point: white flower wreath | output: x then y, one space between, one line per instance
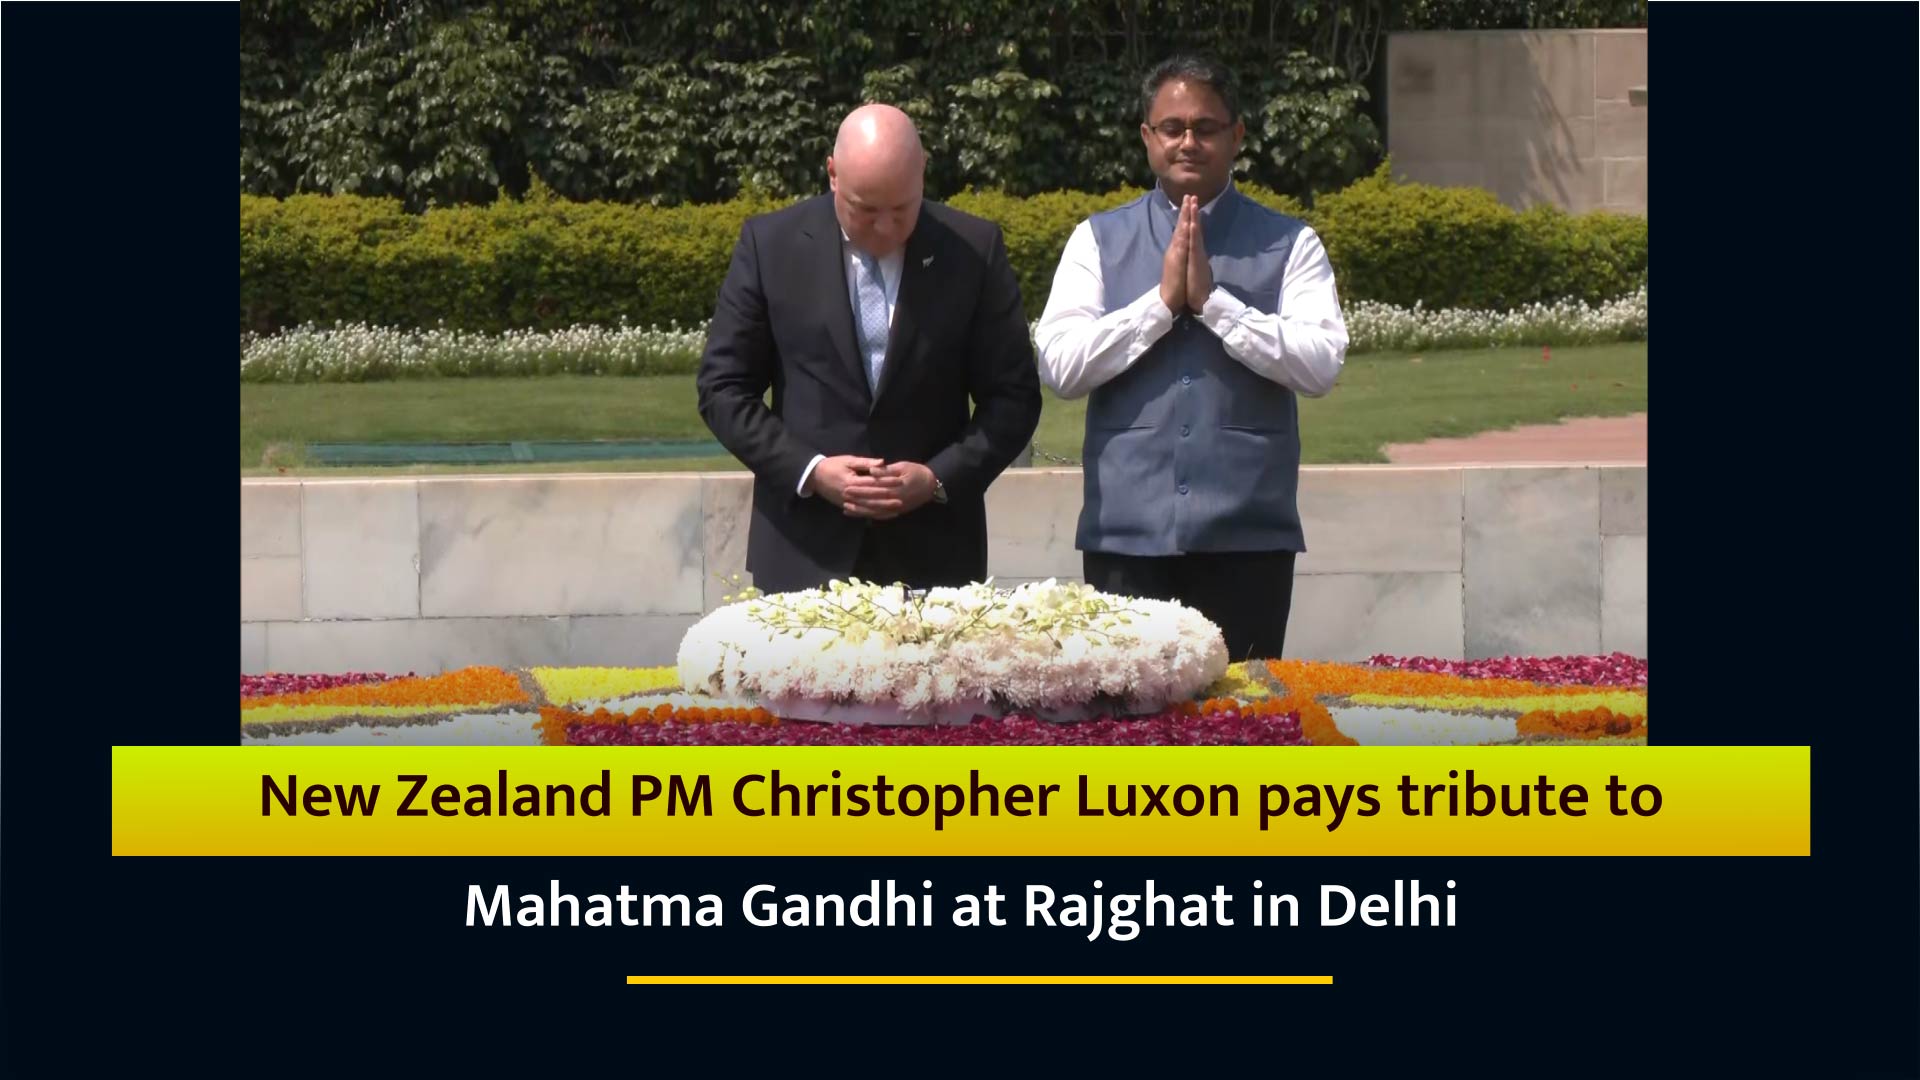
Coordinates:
948 651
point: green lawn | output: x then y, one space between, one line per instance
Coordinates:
1401 397
1381 398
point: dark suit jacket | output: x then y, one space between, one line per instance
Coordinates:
784 321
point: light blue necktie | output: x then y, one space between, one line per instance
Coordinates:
874 324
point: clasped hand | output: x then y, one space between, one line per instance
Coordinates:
871 488
1186 278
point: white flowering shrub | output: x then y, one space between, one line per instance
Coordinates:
1373 327
360 353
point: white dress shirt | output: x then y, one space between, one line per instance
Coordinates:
1083 345
891 267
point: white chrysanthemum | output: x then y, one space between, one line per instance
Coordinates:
1045 644
1042 645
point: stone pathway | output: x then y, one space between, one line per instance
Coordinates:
1613 440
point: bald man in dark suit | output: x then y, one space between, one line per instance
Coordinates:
891 333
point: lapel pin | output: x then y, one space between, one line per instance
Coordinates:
926 262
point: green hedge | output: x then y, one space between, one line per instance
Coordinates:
1460 247
542 263
546 263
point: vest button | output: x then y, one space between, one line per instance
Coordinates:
1183 489
1186 380
1186 430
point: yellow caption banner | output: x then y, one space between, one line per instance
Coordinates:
1600 800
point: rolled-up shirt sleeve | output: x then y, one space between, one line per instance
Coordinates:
1303 346
1081 344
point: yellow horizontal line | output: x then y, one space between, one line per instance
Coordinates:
977 980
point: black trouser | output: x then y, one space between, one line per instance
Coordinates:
1247 594
881 562
878 564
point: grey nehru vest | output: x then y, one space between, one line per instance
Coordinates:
1188 450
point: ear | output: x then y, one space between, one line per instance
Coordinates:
833 181
1239 135
1146 136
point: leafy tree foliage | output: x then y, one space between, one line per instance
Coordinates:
662 102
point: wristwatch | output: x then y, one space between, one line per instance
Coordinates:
939 491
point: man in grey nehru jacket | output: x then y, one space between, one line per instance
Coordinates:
1190 318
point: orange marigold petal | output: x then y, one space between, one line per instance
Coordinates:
467 686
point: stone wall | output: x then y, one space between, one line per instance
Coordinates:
430 573
1554 116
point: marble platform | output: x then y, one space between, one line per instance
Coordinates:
427 574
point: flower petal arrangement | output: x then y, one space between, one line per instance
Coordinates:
399 700
1258 703
947 654
1045 664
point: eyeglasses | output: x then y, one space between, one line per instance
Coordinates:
1174 130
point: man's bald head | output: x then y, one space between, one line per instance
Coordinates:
877 171
881 134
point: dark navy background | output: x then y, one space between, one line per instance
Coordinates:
1783 575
